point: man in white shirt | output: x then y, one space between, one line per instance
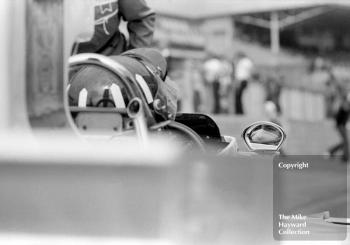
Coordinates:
213 70
243 74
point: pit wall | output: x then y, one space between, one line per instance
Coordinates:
296 103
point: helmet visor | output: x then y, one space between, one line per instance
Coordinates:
95 86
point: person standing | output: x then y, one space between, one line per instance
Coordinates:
213 68
108 39
330 94
341 116
273 89
243 74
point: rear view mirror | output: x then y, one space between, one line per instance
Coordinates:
264 136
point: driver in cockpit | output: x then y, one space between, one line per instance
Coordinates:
102 84
97 88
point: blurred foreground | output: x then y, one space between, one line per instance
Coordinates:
52 189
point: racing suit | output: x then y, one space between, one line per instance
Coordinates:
108 39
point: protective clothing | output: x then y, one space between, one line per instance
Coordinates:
108 39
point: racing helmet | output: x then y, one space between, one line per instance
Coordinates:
141 73
93 86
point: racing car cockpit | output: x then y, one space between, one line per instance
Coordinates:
131 95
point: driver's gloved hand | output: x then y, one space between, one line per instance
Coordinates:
232 148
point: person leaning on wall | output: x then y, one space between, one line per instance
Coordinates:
108 39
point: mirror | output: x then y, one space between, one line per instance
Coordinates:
264 136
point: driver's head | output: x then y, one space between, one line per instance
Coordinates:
95 86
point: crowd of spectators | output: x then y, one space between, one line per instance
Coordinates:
226 80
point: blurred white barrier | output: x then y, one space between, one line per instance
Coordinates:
63 187
12 64
25 239
4 65
60 185
46 148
